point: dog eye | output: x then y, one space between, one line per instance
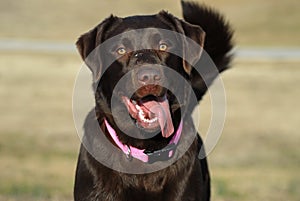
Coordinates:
163 47
121 51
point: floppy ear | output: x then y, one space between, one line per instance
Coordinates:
192 52
191 33
88 42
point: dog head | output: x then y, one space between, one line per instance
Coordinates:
142 49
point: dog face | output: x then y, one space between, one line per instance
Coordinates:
142 52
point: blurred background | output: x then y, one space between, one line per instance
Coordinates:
258 154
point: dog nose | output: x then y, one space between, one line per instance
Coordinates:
148 75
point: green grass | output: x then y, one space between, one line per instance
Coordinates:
256 23
257 157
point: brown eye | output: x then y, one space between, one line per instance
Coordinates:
121 51
163 47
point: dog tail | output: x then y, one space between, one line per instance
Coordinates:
218 41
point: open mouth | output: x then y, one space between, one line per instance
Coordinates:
151 113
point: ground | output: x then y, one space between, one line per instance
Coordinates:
257 156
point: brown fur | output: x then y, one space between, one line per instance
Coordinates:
187 178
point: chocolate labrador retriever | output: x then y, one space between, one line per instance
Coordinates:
146 71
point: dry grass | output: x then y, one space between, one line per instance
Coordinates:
256 158
38 140
259 23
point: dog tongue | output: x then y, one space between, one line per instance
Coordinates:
162 112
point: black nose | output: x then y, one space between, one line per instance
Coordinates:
148 75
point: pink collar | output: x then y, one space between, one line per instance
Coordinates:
143 155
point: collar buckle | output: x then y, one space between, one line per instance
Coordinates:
128 153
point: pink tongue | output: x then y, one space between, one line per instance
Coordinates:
161 110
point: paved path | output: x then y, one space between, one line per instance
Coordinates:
11 45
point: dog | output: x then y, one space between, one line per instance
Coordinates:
147 65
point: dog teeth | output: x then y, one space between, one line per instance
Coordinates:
139 108
144 119
142 114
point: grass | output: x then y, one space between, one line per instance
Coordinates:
256 23
38 140
257 157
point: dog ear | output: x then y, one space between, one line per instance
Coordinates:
191 34
192 52
87 45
